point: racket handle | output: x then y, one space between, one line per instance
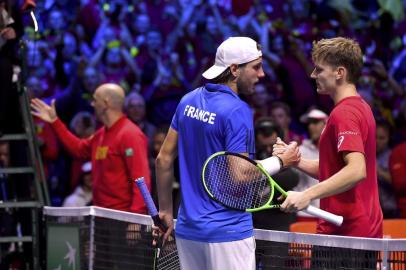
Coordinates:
150 203
330 217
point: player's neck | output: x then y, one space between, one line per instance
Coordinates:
344 91
111 118
233 86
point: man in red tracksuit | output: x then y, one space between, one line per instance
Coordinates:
118 150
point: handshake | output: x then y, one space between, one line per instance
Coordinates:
289 154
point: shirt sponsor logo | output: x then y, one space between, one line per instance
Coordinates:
101 152
129 152
348 133
199 114
340 141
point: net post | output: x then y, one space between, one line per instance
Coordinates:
385 256
91 241
92 211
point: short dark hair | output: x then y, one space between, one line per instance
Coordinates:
266 127
281 105
226 76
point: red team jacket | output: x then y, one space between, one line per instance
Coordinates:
118 155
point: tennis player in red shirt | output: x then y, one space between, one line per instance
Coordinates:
346 167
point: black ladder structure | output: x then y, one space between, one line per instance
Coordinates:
32 172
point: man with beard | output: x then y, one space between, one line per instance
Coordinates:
118 150
207 120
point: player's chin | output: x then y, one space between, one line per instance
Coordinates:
320 91
247 90
250 91
251 88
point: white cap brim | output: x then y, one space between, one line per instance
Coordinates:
313 114
213 72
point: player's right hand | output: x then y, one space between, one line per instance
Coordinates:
43 110
279 147
164 231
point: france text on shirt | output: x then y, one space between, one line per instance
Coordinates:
199 114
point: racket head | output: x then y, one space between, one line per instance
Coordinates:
238 182
166 256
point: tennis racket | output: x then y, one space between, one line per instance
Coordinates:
241 183
165 256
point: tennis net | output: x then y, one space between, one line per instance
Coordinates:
110 239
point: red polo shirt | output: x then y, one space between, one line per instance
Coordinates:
351 127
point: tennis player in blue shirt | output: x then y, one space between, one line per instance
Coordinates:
207 120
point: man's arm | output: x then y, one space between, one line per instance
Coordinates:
309 166
353 172
164 176
290 156
76 147
134 151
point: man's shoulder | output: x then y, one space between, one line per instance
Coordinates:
224 103
99 132
352 104
130 128
345 111
192 94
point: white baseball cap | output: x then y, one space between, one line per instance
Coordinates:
313 114
234 50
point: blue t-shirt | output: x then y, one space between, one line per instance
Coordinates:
210 119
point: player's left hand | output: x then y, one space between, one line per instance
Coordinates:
295 201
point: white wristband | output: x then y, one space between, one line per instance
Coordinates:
272 165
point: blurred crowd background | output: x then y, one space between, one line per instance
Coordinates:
157 49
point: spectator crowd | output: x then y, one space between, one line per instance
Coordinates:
156 51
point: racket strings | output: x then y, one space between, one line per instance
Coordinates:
168 256
236 182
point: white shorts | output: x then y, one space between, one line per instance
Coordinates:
234 255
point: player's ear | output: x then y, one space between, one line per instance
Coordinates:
106 101
235 70
341 72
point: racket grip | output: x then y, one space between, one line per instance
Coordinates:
150 203
330 217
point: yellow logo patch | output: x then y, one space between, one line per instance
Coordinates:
101 152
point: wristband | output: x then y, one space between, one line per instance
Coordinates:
272 164
280 162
